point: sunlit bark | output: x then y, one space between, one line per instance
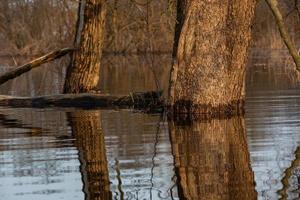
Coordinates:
84 69
208 75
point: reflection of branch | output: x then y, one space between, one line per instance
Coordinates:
174 179
288 173
119 179
155 153
15 123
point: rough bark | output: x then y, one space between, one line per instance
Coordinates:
212 160
33 64
150 101
87 130
83 71
273 4
208 75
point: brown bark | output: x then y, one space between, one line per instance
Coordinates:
83 71
87 130
212 160
33 64
208 75
180 16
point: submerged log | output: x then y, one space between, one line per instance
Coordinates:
151 101
34 63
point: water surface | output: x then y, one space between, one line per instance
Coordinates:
124 154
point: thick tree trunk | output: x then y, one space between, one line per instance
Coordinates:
83 71
212 160
87 130
208 75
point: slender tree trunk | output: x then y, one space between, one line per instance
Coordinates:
83 71
180 15
212 160
87 130
208 75
273 4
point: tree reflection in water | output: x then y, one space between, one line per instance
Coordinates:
212 160
87 130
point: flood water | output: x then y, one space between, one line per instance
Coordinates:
125 154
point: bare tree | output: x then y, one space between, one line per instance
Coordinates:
84 70
273 4
208 75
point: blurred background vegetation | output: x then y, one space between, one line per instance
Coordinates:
133 26
29 28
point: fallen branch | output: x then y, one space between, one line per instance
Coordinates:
144 100
33 64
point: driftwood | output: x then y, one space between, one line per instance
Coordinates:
33 64
150 101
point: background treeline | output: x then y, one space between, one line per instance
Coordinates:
29 28
135 26
35 26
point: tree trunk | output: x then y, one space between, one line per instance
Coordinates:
181 6
208 75
83 71
212 160
87 130
273 4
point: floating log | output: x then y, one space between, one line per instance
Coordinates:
34 63
151 101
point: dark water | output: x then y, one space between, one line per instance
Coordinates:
124 154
